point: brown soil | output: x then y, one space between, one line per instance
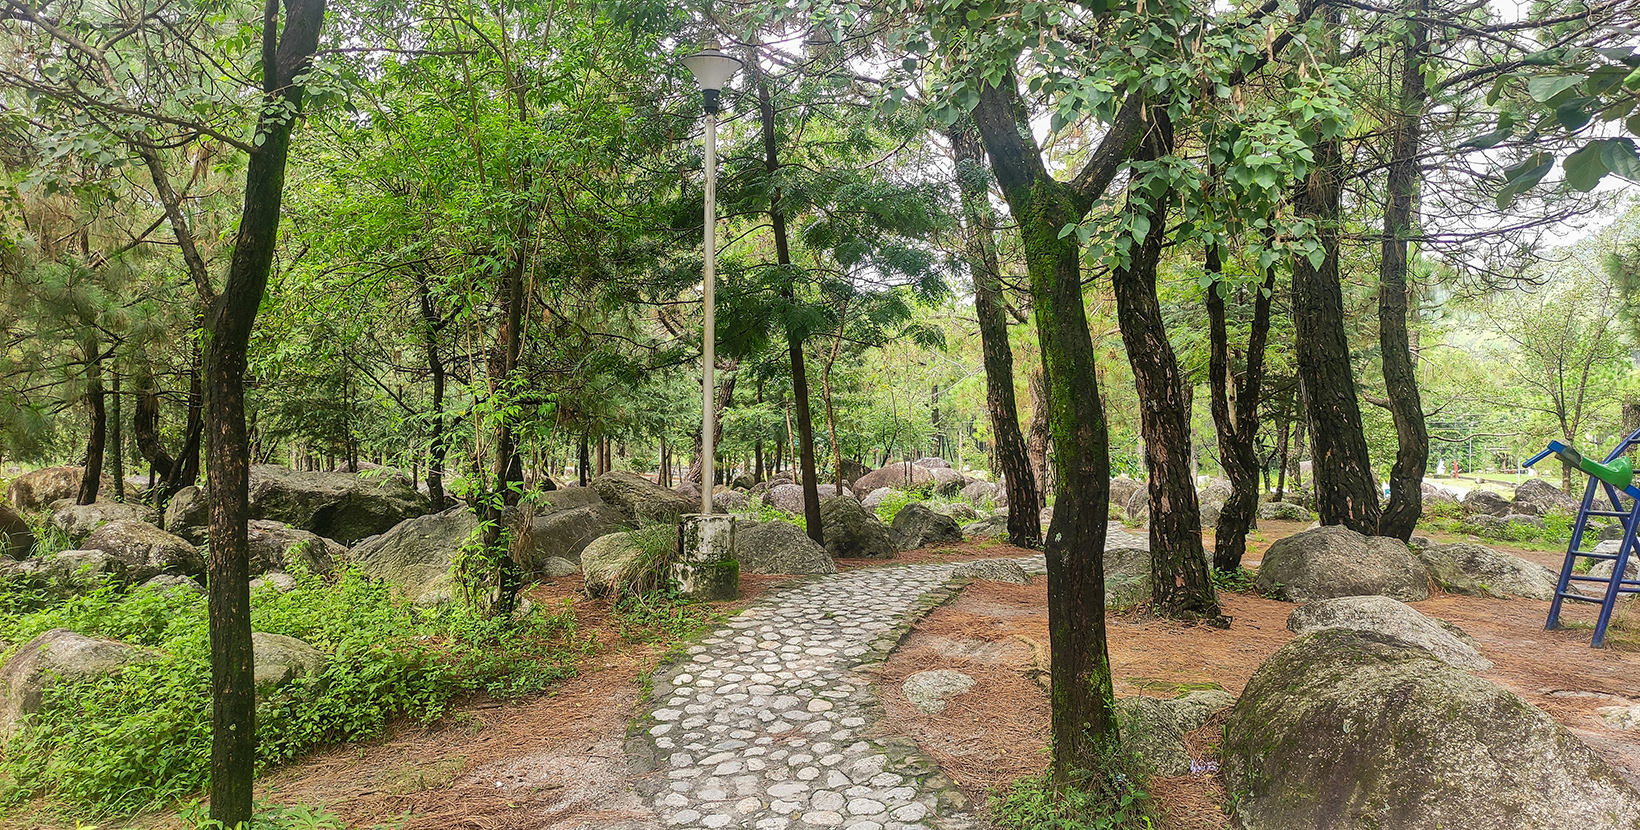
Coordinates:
997 634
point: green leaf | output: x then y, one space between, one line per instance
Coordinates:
1141 228
1584 169
1544 88
1524 176
1067 230
1619 156
1574 115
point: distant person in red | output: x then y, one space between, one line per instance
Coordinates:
1457 471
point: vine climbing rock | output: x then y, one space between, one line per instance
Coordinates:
767 721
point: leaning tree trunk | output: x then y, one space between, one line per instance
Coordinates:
1342 474
1012 458
1406 477
1237 422
91 480
794 337
229 319
1180 586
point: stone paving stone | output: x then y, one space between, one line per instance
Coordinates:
762 723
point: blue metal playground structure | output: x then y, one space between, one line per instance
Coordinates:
1612 480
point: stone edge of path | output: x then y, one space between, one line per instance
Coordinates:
905 757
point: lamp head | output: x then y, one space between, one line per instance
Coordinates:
712 69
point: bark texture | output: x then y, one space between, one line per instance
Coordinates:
97 437
1406 477
1345 492
230 317
1179 586
1235 414
1083 724
1012 458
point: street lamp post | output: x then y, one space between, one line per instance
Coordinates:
712 69
706 568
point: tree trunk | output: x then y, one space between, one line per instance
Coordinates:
509 465
97 438
1281 453
438 439
1406 477
794 337
1012 458
1344 489
1083 723
116 440
1237 422
1036 447
145 430
185 471
722 401
1180 586
229 319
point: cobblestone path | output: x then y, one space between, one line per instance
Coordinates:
765 723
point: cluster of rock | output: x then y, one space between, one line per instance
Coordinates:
1490 514
1334 561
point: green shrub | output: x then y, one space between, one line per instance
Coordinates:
140 738
766 512
895 501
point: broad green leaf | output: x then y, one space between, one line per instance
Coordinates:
1618 154
1584 169
1544 88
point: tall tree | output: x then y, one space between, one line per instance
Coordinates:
979 246
1400 515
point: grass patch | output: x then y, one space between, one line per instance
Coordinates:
1111 798
139 739
1239 581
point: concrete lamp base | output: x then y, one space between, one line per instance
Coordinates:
706 568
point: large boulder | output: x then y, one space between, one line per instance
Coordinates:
35 490
779 548
875 498
730 501
564 534
1127 575
565 498
16 539
1479 571
1122 490
1436 494
933 463
415 555
1137 509
1334 561
981 493
1486 503
603 561
1540 498
340 506
1392 618
275 546
994 526
146 550
947 482
915 526
1284 511
57 655
1154 729
78 520
899 475
789 497
188 515
280 659
852 532
72 572
1350 729
643 501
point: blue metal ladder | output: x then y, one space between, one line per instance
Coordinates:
1629 516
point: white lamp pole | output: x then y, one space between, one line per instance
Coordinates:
712 69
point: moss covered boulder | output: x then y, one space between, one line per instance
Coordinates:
916 526
1334 561
852 532
1479 571
643 501
146 550
16 539
341 506
416 555
1382 615
1351 729
35 490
